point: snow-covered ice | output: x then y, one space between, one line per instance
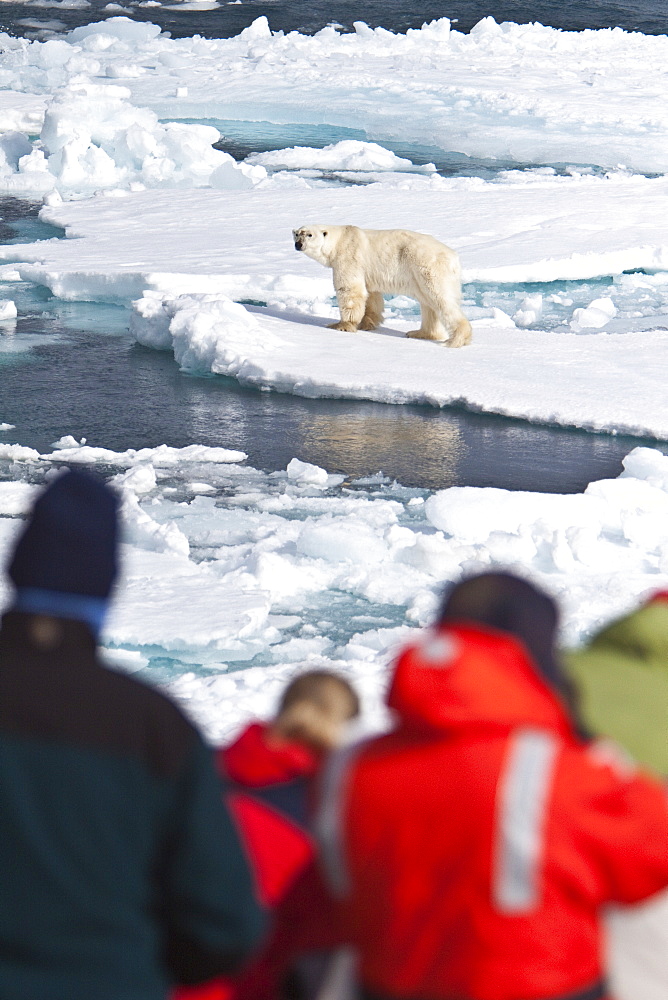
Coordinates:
559 263
526 93
543 359
225 593
566 282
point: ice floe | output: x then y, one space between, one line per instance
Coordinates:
225 593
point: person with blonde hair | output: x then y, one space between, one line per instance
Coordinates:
268 773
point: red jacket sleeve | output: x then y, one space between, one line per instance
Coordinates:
620 825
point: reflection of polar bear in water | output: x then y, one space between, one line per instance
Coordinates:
368 262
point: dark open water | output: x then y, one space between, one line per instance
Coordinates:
648 16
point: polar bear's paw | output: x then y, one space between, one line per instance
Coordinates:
341 325
425 335
462 334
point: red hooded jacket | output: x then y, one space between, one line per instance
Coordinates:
266 789
473 848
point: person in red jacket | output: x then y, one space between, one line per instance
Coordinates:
471 850
267 774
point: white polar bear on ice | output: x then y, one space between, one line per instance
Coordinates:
368 262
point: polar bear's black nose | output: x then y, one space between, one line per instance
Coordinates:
298 245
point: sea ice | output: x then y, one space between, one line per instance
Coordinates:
549 229
8 310
275 572
526 93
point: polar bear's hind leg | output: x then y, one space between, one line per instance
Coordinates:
442 292
431 327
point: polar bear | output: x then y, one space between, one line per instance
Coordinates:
368 262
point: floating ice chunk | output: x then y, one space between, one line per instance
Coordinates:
18 453
94 139
349 154
20 113
432 554
8 310
140 479
16 498
128 660
647 464
122 71
6 427
502 320
123 29
163 455
595 316
529 311
302 649
217 621
232 176
343 540
201 488
304 472
207 333
258 30
141 529
470 514
68 441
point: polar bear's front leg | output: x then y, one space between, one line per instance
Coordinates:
352 304
373 312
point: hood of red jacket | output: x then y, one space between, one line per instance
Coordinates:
254 759
458 677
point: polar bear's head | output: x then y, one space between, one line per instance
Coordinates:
316 242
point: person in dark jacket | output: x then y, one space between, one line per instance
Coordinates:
122 871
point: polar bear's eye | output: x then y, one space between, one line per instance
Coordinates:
324 234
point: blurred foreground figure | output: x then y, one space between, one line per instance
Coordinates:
121 868
622 680
473 849
268 774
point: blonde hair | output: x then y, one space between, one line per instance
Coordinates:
314 708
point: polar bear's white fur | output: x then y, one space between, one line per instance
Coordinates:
368 262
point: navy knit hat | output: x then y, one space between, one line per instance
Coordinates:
69 545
